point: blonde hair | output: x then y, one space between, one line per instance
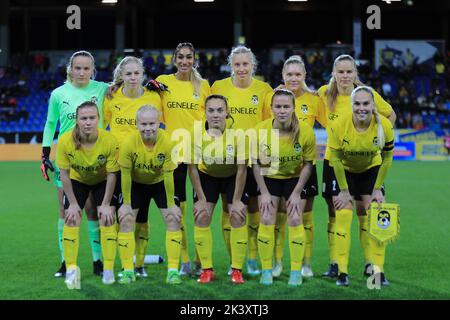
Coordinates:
117 74
195 77
295 130
380 130
241 50
147 108
69 66
332 90
298 60
76 133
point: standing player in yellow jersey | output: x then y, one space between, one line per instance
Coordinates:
335 103
147 172
246 100
87 157
290 148
120 114
361 146
306 109
182 105
219 167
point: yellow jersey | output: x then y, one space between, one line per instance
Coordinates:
218 156
88 165
146 166
287 162
360 150
120 111
343 107
180 105
247 106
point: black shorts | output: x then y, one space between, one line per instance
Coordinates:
251 187
213 187
142 194
142 215
330 186
360 183
311 187
282 187
179 176
82 190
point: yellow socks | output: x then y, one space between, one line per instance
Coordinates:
126 246
364 237
71 242
108 236
280 235
141 239
239 240
203 244
331 240
173 248
296 246
309 236
253 225
226 230
377 252
266 239
342 237
184 245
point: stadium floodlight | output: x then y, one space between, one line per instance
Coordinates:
203 0
297 0
109 1
390 1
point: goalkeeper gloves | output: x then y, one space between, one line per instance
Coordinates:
153 85
46 163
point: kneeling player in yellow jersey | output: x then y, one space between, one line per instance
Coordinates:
361 145
219 167
147 172
286 152
120 115
306 109
87 157
246 100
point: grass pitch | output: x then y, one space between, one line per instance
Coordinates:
416 264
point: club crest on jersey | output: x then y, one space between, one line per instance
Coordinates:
384 219
305 109
230 149
255 99
94 99
297 147
375 141
161 157
101 159
196 96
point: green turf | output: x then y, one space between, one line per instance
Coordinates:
416 264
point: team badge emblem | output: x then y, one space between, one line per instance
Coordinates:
384 222
230 149
375 141
161 157
255 99
305 109
196 96
94 99
101 160
297 147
